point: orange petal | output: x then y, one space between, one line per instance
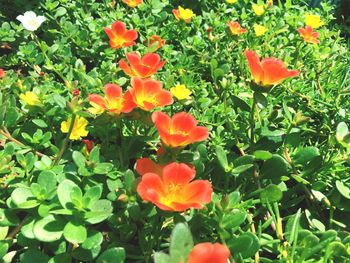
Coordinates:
199 134
112 91
97 99
151 187
118 27
207 253
178 173
183 122
254 65
146 165
125 67
150 59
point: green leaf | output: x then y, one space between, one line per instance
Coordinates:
23 198
262 155
304 155
115 255
103 168
60 11
8 218
79 159
181 242
274 168
61 258
33 255
94 238
271 194
75 232
242 168
233 219
343 189
63 192
222 158
40 123
48 229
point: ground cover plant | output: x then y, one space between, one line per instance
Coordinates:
174 131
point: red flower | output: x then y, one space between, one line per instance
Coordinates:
174 191
180 130
119 36
236 28
114 101
143 67
89 145
269 71
76 92
156 42
209 253
2 73
147 94
309 35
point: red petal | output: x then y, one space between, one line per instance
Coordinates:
183 122
164 98
133 58
150 187
118 28
146 165
150 60
208 253
125 67
178 173
130 35
112 91
109 33
129 103
199 191
255 66
199 134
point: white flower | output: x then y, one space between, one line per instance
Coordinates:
30 20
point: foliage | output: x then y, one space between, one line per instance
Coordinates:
278 161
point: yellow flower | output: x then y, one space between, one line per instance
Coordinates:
269 2
182 13
259 30
78 127
313 20
258 9
30 98
180 92
231 1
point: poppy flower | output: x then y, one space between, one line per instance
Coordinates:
180 130
309 35
143 67
147 94
173 190
208 253
79 127
183 13
119 36
114 101
236 28
133 3
156 42
2 73
269 71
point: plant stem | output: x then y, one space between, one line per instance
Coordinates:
252 122
66 140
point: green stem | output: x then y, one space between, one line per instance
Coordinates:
252 122
66 140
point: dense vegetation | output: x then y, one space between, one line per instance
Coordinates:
255 161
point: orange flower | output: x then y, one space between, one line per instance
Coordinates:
208 253
309 35
2 73
114 101
269 71
119 36
156 42
236 28
143 67
174 191
180 130
147 94
133 3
